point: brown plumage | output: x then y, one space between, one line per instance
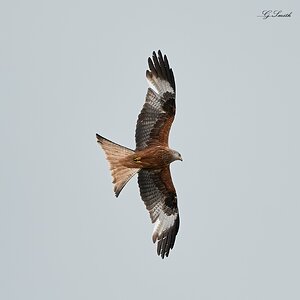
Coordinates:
152 156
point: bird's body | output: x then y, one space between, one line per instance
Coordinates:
152 156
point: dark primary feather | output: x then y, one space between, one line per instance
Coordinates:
159 67
159 195
167 241
154 121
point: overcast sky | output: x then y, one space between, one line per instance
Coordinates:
69 69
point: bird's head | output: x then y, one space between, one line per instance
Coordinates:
176 155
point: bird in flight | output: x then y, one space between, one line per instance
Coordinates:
152 156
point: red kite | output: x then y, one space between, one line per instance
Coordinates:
152 155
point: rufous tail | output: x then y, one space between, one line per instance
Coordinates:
114 153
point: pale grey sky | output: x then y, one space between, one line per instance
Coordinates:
69 69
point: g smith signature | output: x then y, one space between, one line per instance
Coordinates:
265 14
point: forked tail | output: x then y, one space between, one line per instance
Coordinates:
114 153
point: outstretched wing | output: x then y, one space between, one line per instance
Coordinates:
159 195
155 120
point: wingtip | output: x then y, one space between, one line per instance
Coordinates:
148 74
154 237
150 64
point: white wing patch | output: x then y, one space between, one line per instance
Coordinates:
162 224
160 86
154 100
